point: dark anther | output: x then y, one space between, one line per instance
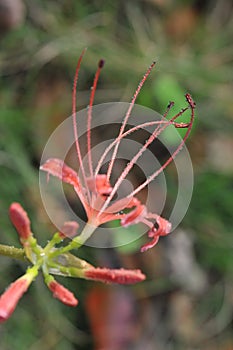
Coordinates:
101 63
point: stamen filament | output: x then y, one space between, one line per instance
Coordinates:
128 132
127 118
89 115
74 98
129 167
137 127
154 135
156 173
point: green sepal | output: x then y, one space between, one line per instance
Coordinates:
67 265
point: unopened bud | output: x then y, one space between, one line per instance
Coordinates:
20 220
10 298
62 293
120 276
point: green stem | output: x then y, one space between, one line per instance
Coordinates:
12 252
55 240
84 236
77 242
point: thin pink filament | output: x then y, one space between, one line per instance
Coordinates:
122 135
74 100
170 159
89 115
127 118
154 135
125 134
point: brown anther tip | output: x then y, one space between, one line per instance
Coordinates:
190 100
170 104
101 63
181 125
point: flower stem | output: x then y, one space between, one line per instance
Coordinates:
85 235
77 242
12 252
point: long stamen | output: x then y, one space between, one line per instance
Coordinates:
74 100
89 115
170 159
154 135
140 126
169 107
127 117
129 166
125 134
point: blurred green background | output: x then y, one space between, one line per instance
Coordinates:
187 300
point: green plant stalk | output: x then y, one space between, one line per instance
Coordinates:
76 242
12 252
19 253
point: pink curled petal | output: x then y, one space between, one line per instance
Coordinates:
164 226
58 168
150 244
20 220
121 204
11 297
100 185
120 276
62 293
135 216
152 233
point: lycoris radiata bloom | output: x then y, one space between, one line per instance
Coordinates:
96 191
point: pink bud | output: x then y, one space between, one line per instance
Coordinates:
10 298
69 229
63 294
120 276
20 220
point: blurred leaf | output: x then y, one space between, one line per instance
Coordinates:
123 235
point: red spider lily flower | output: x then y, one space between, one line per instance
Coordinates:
62 293
20 220
9 299
95 190
120 276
